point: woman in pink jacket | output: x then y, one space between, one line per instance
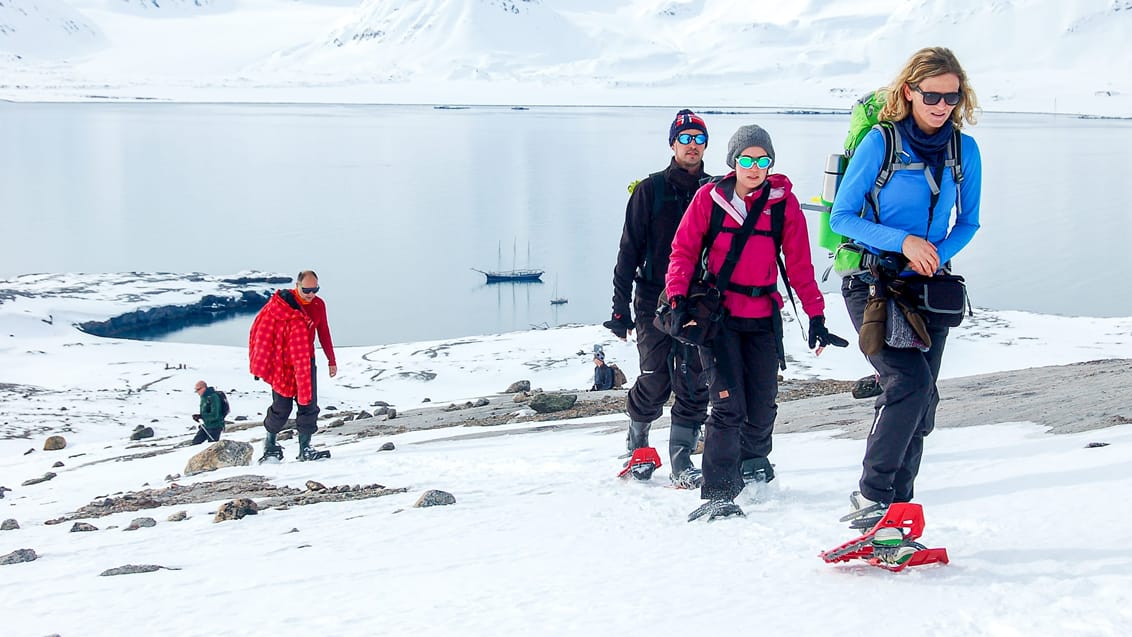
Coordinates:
746 353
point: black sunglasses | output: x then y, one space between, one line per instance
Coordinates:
931 98
313 290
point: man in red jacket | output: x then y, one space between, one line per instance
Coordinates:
281 352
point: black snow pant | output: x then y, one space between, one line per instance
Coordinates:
205 434
742 368
280 410
905 411
668 367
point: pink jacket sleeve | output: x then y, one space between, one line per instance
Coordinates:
688 243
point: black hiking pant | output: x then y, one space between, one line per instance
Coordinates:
742 368
205 434
905 411
668 367
306 419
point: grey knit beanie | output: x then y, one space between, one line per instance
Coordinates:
744 138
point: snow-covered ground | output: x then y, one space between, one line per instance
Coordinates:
1022 55
542 539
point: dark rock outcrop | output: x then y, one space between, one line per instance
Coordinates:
546 403
223 453
9 525
170 318
82 527
130 569
47 476
434 498
236 509
140 432
54 443
518 386
19 555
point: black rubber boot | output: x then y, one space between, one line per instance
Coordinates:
681 443
638 436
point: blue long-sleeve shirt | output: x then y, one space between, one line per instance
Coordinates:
904 201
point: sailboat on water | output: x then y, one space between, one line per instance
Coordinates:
557 300
514 275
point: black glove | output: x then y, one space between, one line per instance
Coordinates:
819 335
679 305
196 417
619 324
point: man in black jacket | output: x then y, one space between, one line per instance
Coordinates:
655 208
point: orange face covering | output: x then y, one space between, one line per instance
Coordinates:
299 297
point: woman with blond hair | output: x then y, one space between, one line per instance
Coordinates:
908 230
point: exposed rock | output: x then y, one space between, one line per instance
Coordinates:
236 509
223 453
240 418
548 403
426 400
518 386
17 556
435 497
2 490
54 443
29 451
286 434
130 569
58 463
521 397
1096 445
391 414
315 486
381 411
138 523
9 525
141 432
387 447
81 527
172 477
362 415
47 476
178 516
482 402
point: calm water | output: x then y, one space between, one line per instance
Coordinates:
393 205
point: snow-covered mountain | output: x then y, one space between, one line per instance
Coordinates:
45 29
1021 54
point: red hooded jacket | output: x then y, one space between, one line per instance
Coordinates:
280 348
757 265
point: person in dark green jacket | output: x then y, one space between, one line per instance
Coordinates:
211 417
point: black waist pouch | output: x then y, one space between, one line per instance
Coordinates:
942 297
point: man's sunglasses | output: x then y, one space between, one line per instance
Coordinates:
763 162
685 138
932 98
313 290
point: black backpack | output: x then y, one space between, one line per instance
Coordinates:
225 408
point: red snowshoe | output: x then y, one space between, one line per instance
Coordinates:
641 464
907 517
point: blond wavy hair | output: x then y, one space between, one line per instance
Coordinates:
925 63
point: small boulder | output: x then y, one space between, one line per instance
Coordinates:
2 490
481 402
47 476
82 527
54 443
58 463
236 509
286 434
362 415
223 453
138 523
391 414
518 386
141 432
521 397
315 486
130 569
387 447
178 516
17 556
9 525
546 403
435 497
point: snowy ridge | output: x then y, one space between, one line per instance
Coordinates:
170 8
46 30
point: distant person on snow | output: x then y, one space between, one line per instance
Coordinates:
210 418
745 355
908 238
654 210
603 374
281 352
